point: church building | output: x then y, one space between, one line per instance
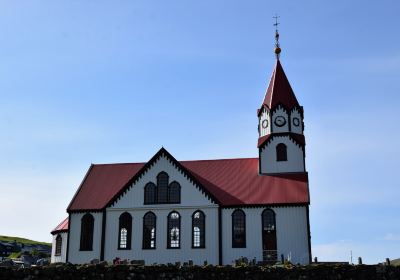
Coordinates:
166 210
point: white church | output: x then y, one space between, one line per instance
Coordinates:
166 210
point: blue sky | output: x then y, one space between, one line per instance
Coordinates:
86 82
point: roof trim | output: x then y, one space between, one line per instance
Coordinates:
262 141
136 177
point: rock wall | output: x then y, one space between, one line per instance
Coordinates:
133 272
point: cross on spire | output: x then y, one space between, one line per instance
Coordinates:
277 46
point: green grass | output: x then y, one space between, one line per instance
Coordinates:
395 262
21 240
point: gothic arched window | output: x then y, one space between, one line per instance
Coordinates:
281 152
174 230
162 187
125 231
174 190
238 229
150 193
87 226
269 235
149 231
198 229
58 245
164 192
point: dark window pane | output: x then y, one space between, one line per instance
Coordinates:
58 245
238 229
150 192
198 230
174 230
174 192
87 225
281 152
149 231
125 231
162 187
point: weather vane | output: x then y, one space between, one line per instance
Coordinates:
277 46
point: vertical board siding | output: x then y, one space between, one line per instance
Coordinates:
63 256
291 230
75 255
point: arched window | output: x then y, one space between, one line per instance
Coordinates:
174 230
87 225
198 229
125 231
162 185
174 192
149 231
58 245
281 152
150 193
269 235
238 229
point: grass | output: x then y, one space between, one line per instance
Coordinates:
21 240
395 262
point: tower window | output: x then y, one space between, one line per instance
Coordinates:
238 229
87 225
58 245
125 231
149 231
281 152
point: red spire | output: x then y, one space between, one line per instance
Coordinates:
279 90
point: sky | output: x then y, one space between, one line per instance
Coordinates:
86 82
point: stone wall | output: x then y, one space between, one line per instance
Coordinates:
133 272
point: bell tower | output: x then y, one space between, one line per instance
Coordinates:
281 142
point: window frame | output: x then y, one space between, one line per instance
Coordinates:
147 199
125 222
202 237
281 152
235 244
87 232
58 247
169 229
144 247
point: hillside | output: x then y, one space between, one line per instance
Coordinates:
395 262
21 240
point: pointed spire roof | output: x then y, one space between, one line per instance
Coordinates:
279 90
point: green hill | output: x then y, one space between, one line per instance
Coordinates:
395 262
21 240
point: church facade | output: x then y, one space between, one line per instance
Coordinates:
165 210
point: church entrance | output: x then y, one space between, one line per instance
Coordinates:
269 243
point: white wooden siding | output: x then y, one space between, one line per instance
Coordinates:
161 254
291 229
295 157
62 256
75 255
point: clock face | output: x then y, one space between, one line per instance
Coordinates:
265 123
296 121
280 121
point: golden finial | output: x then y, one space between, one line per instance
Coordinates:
277 46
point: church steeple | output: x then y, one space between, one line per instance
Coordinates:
281 142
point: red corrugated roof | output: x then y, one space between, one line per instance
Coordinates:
102 183
279 90
230 181
63 226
